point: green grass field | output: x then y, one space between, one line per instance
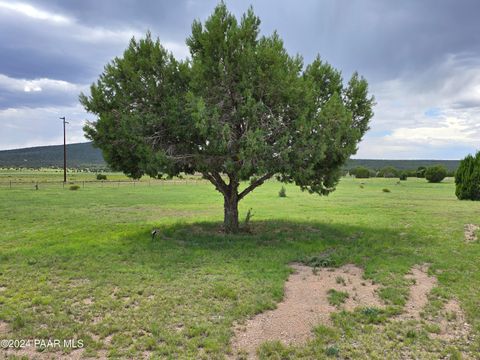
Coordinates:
81 264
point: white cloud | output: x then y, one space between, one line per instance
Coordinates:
180 51
98 34
417 114
24 127
445 132
36 85
28 88
34 12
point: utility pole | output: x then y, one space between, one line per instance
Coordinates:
64 150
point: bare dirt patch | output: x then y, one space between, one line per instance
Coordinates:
305 305
32 354
3 327
418 297
452 322
470 231
88 301
79 282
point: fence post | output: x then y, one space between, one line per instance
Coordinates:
10 184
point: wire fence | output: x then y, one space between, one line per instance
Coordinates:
96 183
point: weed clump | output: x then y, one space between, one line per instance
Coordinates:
324 259
248 218
74 187
385 190
283 192
332 351
337 298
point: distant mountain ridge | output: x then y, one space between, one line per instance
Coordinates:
84 155
80 155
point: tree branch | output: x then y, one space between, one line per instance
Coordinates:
255 184
217 181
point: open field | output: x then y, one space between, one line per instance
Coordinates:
51 178
81 264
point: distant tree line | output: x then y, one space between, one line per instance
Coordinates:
435 173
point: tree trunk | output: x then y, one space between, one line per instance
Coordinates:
230 220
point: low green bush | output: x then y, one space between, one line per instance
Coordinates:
283 192
436 173
101 177
74 187
361 172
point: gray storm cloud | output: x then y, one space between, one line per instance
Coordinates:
420 57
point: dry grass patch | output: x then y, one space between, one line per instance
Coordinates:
470 232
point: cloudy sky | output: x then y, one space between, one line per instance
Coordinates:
421 58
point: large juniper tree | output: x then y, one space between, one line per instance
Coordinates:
467 178
240 109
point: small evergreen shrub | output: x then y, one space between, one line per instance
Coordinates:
101 177
282 192
467 178
436 173
74 187
421 172
403 176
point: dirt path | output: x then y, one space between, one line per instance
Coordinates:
305 305
419 290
